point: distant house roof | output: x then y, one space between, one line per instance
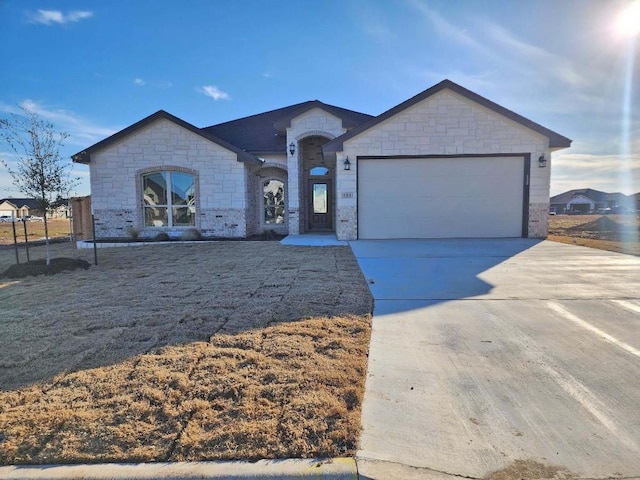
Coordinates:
85 155
30 203
266 132
555 139
590 193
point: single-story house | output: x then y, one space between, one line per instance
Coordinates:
445 163
588 200
19 207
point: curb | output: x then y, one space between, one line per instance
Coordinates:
289 469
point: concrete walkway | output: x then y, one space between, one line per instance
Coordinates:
501 358
314 240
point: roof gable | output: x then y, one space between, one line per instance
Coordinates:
85 155
30 203
590 193
266 132
555 140
348 119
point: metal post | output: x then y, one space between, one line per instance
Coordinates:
15 239
26 239
95 245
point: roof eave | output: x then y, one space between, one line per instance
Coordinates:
556 141
85 155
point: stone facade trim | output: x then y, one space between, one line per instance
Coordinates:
315 133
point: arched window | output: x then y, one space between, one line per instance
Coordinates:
273 202
318 171
169 199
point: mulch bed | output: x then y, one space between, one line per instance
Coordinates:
40 267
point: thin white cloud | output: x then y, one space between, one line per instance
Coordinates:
534 59
374 22
608 173
450 31
141 82
81 131
213 92
52 17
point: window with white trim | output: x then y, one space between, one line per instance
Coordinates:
169 199
273 202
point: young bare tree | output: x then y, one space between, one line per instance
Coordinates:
39 171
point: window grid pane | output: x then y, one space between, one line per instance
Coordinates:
156 217
157 203
182 189
155 188
183 217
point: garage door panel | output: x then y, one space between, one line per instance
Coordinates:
463 197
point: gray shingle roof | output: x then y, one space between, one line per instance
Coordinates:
266 132
590 193
31 203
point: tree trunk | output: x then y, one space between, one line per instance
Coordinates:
46 238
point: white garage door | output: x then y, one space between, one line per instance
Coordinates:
453 197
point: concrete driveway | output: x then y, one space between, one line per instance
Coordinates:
501 359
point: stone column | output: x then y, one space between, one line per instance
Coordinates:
293 171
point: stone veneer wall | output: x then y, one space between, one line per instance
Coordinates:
314 122
445 123
163 145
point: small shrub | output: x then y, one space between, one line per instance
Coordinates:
268 235
161 237
191 234
132 233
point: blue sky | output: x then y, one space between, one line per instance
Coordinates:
95 67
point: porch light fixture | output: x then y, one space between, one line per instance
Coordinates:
292 148
347 164
542 161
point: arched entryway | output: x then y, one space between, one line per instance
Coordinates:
272 199
318 186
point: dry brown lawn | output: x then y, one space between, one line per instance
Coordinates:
58 227
227 350
615 233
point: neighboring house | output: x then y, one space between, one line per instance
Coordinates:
19 207
588 200
620 203
60 208
445 163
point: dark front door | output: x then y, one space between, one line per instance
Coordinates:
320 207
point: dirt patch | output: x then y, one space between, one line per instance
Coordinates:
530 470
58 228
233 350
617 233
